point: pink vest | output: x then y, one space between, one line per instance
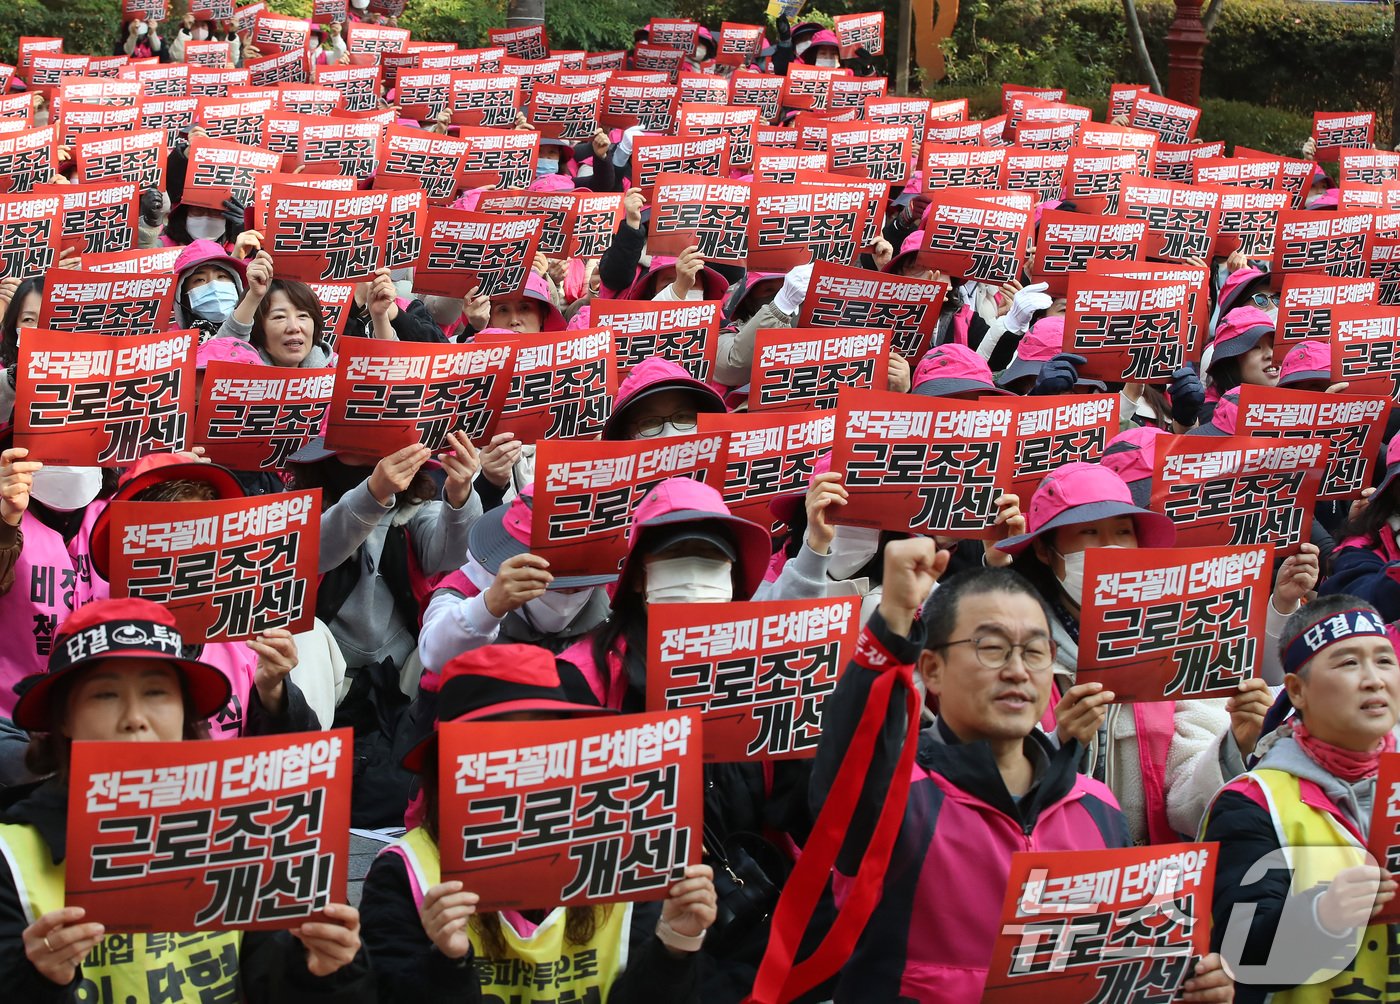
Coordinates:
238 662
51 579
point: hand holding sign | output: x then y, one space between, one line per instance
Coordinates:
446 911
688 268
277 657
395 472
1296 578
331 944
826 490
56 943
1081 711
1247 710
520 579
460 464
690 908
1354 897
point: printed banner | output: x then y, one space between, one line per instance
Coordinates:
429 159
951 166
596 219
97 304
1174 121
325 236
689 209
1138 921
790 227
1364 355
843 297
1056 430
96 219
352 144
1367 167
737 124
770 454
567 113
1334 130
389 395
877 152
1307 301
1239 491
758 674
98 401
805 368
921 464
760 89
227 569
463 251
220 171
974 238
30 231
739 44
855 31
576 811
585 494
488 100
521 43
1127 329
651 106
1173 624
1248 221
242 834
1337 244
1182 220
1067 241
1355 426
686 333
28 158
562 384
1094 178
498 158
137 156
253 417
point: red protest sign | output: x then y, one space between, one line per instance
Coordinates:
585 493
483 99
359 84
662 59
49 69
499 158
171 116
87 120
403 229
1336 244
913 112
702 88
1174 624
98 304
335 299
1383 843
1249 220
567 113
790 227
290 67
738 124
1094 178
686 333
1177 162
690 209
804 368
211 54
1367 167
1237 490
220 171
922 465
1096 136
272 31
561 386
809 87
262 190
97 400
1334 130
1152 904
1197 297
781 166
1174 121
237 120
878 152
1364 353
28 158
973 238
673 33
227 569
758 674
1057 430
955 134
217 82
762 90
463 250
253 417
952 166
389 395
352 144
361 36
429 159
309 99
142 261
170 80
651 106
771 453
855 31
1054 136
1307 301
855 92
262 826
739 44
596 218
556 209
653 156
1010 91
30 230
1127 329
843 297
497 778
325 236
97 219
1354 425
1068 240
137 156
1234 172
1037 171
532 72
1182 220
522 43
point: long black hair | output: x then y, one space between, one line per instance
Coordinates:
9 324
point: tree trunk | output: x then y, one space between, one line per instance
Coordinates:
1211 15
524 13
1139 44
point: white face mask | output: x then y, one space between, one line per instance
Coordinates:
690 580
66 489
200 34
800 47
205 228
556 610
1312 197
1073 580
851 549
828 60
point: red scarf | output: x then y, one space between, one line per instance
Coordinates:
1348 765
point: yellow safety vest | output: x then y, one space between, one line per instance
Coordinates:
125 968
540 967
1300 825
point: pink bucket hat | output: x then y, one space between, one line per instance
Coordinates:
225 350
1080 492
504 532
1223 419
538 290
1239 331
911 246
562 182
684 509
951 369
652 376
1132 455
1392 466
1042 343
644 288
1310 360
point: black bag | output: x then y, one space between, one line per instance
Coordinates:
749 875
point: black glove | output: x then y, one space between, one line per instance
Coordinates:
784 30
1058 375
1187 395
862 63
233 216
151 203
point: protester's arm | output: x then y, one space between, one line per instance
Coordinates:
653 972
438 530
348 524
1359 571
415 324
617 269
258 277
454 624
17 471
734 355
1201 757
11 544
406 963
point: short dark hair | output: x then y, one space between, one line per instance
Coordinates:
1314 613
941 610
301 296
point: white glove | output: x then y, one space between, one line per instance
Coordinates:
794 290
1024 305
622 153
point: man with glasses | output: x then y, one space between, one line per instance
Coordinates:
984 783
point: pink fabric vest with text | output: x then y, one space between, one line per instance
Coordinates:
238 662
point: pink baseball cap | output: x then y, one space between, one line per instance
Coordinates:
685 509
1132 455
1310 360
951 369
504 532
911 246
225 350
1236 285
1081 492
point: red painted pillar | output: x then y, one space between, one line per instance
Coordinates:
1186 43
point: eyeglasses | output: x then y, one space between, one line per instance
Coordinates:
649 428
1265 300
995 653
